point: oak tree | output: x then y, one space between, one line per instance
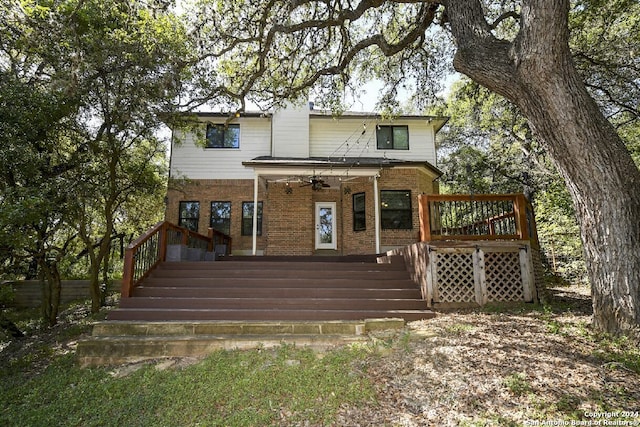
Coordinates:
93 81
275 49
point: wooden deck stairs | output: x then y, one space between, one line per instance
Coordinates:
192 308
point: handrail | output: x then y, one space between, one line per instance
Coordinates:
219 238
147 251
475 217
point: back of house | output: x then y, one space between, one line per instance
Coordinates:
300 181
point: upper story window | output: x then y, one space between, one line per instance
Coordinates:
221 217
223 136
189 215
392 137
395 210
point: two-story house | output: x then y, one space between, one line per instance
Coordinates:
300 181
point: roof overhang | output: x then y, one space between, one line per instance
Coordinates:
329 167
437 121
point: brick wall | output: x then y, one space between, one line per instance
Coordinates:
417 182
206 191
363 241
289 215
291 219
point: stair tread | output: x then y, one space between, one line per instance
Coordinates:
279 274
274 303
279 283
281 265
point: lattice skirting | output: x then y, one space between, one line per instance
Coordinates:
478 275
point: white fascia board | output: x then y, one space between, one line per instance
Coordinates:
316 169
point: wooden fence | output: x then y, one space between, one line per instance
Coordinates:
28 293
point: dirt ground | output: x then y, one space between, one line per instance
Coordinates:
515 366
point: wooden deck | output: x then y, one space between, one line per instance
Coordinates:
274 289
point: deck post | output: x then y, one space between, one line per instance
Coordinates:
127 276
429 276
526 269
480 277
425 218
520 210
163 242
185 238
210 236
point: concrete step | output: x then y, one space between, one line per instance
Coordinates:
118 350
339 327
128 342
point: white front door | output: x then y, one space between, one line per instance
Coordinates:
326 225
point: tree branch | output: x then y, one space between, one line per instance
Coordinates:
480 55
510 14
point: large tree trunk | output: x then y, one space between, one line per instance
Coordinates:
537 73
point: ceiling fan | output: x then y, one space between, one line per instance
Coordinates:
315 182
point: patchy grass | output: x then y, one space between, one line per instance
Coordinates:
502 365
248 388
41 384
517 383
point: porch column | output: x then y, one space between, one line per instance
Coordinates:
376 212
255 214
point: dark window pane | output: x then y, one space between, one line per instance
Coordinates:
188 215
247 218
221 136
359 210
400 138
395 210
383 136
392 137
221 217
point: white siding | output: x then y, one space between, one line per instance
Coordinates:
192 161
343 137
291 132
295 134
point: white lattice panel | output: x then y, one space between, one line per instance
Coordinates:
455 277
503 276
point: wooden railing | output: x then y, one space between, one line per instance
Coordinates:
219 239
476 217
150 249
